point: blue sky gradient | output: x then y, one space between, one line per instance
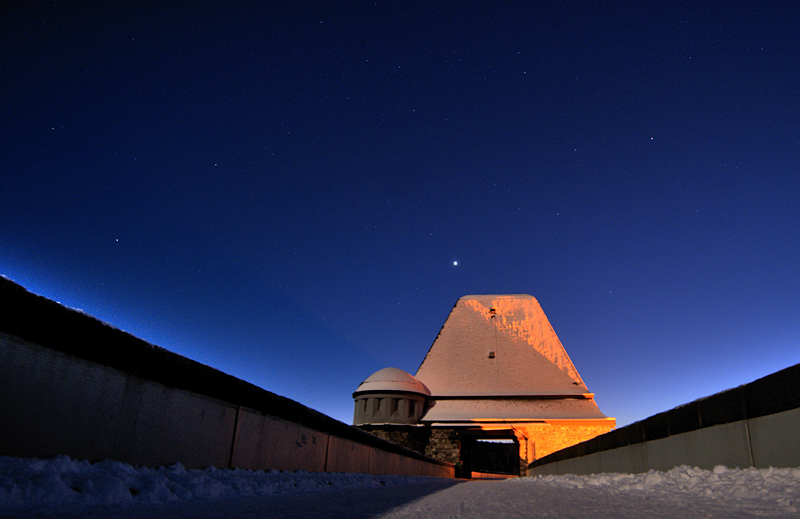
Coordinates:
282 191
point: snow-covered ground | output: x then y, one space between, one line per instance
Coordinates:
64 487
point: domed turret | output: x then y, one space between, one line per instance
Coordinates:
393 379
390 396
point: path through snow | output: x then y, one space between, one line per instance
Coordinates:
61 487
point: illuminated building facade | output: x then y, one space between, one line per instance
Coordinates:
495 391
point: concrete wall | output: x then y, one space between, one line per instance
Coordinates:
52 404
755 425
72 385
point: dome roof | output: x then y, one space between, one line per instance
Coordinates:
393 379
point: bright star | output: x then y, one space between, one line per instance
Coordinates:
455 263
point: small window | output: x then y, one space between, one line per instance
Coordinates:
491 354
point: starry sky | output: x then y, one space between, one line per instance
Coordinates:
297 193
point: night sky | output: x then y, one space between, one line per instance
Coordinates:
297 193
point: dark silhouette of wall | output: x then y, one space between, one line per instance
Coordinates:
71 384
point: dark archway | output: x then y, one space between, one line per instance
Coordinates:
495 451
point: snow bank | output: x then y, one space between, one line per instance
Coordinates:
60 483
62 486
780 487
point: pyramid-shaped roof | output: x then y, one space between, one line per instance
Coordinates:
499 345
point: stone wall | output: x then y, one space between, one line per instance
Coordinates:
409 436
444 445
448 443
556 435
434 442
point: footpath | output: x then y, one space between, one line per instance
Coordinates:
683 492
